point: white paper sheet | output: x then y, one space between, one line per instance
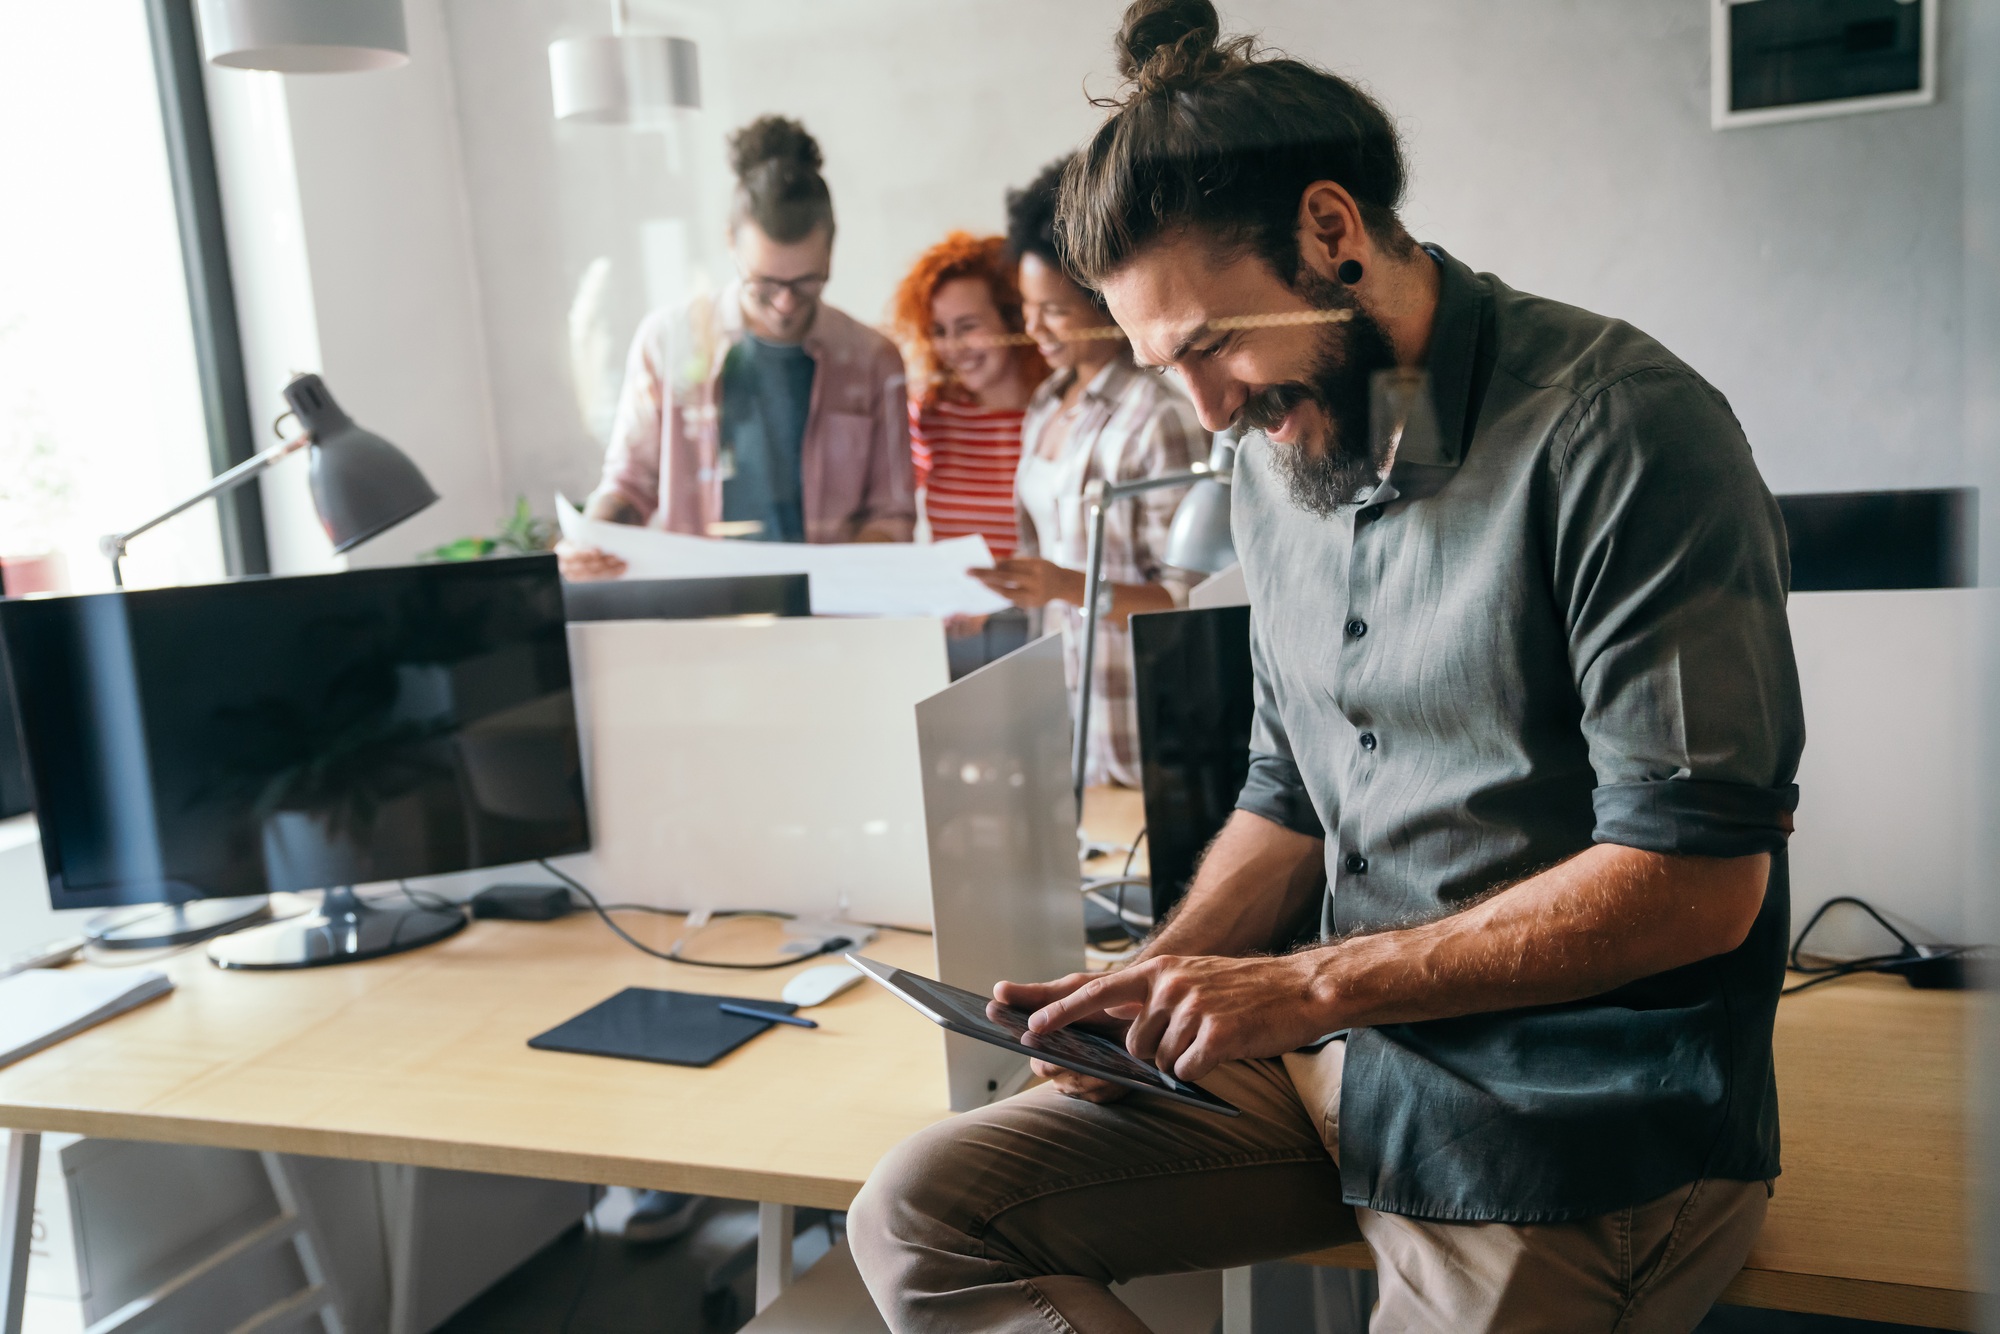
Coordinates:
848 579
41 1007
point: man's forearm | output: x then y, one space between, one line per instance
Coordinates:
1603 918
1256 882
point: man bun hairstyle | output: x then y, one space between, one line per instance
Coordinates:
1213 135
1032 226
778 181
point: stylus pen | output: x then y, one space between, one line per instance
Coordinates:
750 1012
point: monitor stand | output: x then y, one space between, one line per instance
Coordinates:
345 928
155 926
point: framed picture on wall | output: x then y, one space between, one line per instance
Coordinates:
1778 60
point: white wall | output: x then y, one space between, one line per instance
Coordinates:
1815 271
350 242
1833 277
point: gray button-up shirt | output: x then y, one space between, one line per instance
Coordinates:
1559 621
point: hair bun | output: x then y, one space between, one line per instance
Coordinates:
1172 45
776 139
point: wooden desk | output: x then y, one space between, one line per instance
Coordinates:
422 1059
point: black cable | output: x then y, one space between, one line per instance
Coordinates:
1909 948
590 1249
438 902
672 954
1815 974
1133 851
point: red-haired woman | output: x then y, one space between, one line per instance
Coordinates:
972 372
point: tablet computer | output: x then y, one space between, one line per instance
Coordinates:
1078 1049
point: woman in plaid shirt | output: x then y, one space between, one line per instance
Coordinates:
1097 416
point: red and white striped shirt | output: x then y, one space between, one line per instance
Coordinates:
965 458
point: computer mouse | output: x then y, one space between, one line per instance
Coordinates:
816 986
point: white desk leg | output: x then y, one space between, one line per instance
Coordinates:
17 1225
1236 1301
774 1252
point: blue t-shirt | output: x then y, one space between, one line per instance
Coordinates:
766 393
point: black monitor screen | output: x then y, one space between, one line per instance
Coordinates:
1193 679
298 733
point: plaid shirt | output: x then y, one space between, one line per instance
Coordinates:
1128 424
854 462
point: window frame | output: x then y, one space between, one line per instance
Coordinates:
211 290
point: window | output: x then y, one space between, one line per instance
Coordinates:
102 415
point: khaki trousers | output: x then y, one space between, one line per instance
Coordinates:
1016 1218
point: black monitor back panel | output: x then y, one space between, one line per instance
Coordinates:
1193 682
1882 539
688 599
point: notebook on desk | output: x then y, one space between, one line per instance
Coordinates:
42 1006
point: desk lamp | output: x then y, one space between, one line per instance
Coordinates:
361 484
1198 541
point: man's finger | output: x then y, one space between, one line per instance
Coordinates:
1093 998
1034 995
1201 1056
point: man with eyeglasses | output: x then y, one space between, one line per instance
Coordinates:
764 413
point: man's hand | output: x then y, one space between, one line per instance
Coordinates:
582 564
1029 581
1033 996
1188 1015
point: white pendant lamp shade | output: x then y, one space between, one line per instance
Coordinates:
628 79
304 36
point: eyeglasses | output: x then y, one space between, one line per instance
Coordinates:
764 291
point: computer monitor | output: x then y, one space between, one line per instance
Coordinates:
15 798
688 599
232 740
1195 694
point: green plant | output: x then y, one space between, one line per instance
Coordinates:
521 534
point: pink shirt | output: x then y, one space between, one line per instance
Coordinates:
854 462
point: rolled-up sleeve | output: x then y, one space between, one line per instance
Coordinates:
1274 787
632 462
1670 556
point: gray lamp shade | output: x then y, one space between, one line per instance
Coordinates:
361 484
1200 539
639 79
304 36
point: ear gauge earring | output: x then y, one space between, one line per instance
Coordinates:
1349 271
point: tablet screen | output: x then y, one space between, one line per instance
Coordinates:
1092 1050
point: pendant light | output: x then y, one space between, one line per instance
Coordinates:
638 79
304 36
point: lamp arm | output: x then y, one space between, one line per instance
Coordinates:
113 544
1097 498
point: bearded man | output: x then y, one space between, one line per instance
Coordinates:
1526 726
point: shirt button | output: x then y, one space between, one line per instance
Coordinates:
1357 864
1357 627
1367 741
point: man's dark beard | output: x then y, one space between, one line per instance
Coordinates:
1324 475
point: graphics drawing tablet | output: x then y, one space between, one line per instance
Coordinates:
1078 1049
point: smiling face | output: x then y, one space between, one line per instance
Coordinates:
1061 317
1303 379
781 282
971 338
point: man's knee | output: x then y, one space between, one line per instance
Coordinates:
908 1202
